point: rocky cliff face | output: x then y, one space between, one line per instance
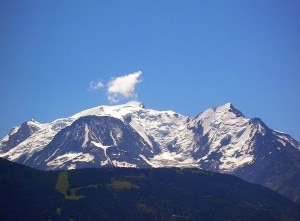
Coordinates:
93 141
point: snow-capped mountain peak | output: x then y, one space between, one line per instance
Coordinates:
19 134
228 109
118 111
134 104
130 135
221 134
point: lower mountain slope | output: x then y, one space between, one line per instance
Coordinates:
135 194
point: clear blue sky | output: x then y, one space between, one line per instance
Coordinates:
193 55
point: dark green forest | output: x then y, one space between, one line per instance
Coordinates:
135 194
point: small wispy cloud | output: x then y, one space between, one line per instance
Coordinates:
96 85
118 88
123 87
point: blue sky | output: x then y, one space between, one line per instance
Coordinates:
192 55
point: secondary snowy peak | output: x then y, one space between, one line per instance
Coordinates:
36 141
225 140
221 136
218 116
19 134
34 124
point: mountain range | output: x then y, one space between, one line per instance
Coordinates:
220 139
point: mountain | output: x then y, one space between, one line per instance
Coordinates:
220 139
135 194
18 134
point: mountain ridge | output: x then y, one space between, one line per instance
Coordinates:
220 139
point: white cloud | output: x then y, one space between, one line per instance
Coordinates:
123 87
96 85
